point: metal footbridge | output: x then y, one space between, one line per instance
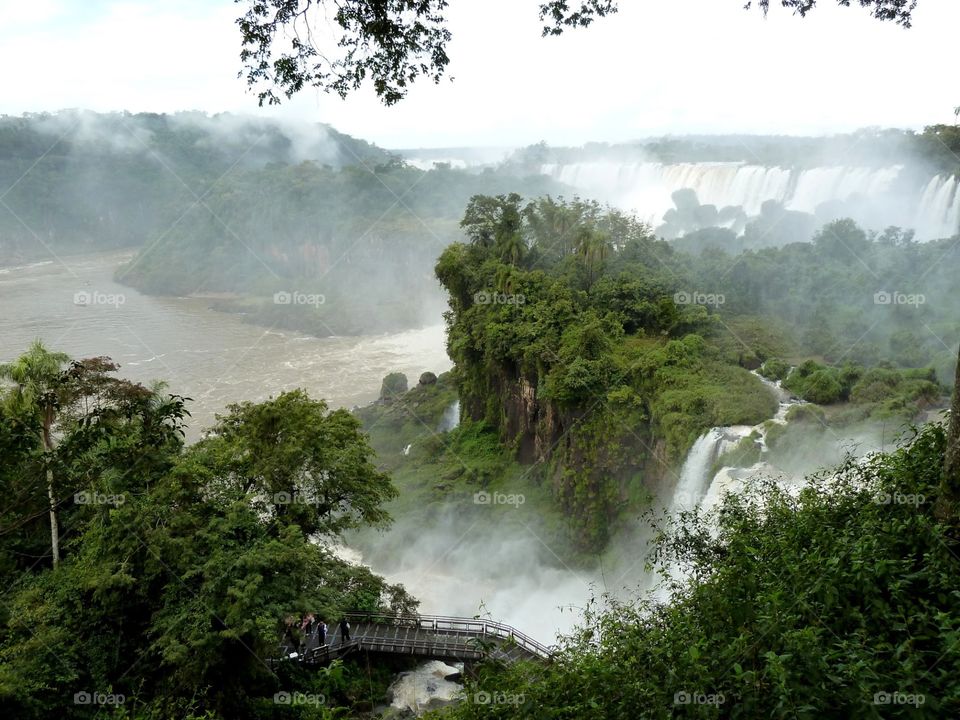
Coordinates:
431 637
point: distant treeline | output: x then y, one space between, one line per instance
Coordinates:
77 181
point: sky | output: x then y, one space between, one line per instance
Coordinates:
658 67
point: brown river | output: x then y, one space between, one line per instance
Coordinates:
74 305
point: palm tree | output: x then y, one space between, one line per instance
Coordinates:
593 247
36 376
511 248
504 280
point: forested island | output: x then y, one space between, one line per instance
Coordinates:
243 211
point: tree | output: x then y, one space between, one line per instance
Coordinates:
495 222
395 42
173 595
38 388
593 249
899 11
299 462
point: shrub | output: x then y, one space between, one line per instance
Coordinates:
797 606
775 369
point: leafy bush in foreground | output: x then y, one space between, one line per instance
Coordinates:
841 601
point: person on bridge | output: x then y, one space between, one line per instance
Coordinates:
290 636
307 625
344 631
322 633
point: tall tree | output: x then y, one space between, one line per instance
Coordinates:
38 388
593 249
301 463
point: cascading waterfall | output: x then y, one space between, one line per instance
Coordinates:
646 188
695 475
698 487
938 214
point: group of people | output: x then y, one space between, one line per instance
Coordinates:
310 624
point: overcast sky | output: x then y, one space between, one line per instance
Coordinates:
660 66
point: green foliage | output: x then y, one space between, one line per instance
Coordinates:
744 454
806 413
303 464
815 383
691 391
881 392
775 369
795 606
579 339
413 419
178 566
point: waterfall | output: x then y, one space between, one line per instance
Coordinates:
646 188
451 417
697 486
820 185
938 213
695 475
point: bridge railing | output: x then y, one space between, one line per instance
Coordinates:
456 625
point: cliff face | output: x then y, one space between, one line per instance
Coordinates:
596 456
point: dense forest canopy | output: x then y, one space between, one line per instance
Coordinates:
79 180
178 565
607 327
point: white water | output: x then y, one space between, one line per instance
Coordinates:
425 687
939 208
451 417
698 487
695 473
645 188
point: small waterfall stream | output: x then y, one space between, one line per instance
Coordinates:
451 417
698 486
